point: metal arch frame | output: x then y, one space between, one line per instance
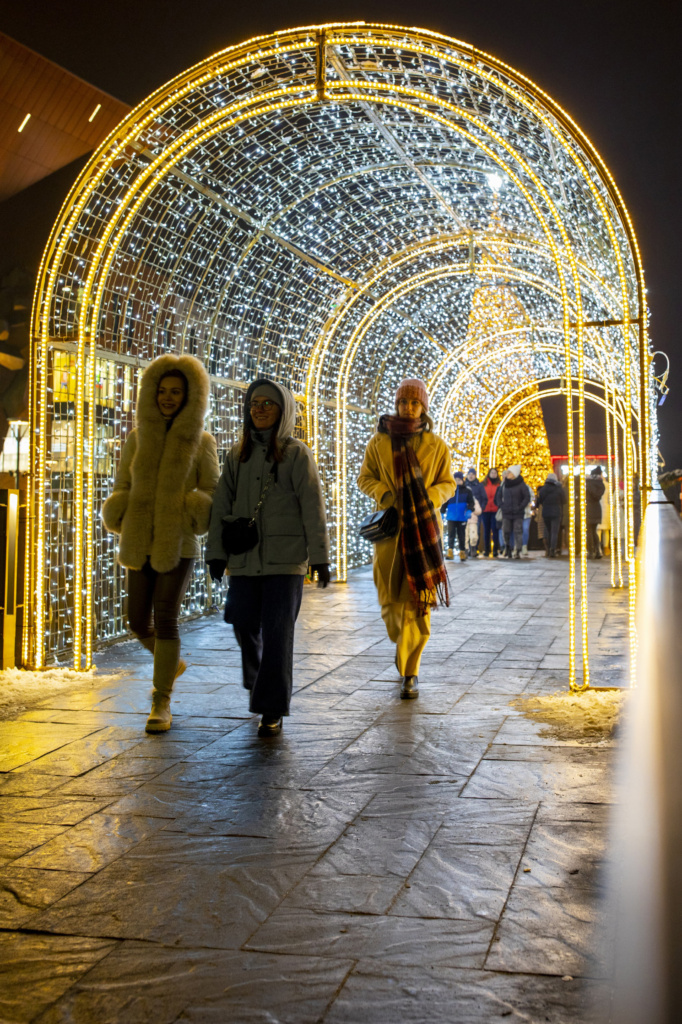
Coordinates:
312 40
523 402
484 428
613 419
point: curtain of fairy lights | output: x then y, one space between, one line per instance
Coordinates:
337 208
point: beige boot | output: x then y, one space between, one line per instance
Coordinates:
166 669
150 641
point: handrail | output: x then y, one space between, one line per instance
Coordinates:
645 892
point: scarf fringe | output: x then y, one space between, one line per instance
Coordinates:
420 537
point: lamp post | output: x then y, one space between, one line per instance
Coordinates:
19 430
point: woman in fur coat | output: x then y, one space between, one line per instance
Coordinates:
408 466
160 504
272 477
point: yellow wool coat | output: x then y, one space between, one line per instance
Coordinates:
377 479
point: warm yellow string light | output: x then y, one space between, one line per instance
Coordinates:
331 352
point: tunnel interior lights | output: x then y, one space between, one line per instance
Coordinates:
336 207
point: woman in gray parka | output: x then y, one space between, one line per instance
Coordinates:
266 583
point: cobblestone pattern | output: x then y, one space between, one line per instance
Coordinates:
383 860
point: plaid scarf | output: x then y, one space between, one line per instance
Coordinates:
420 539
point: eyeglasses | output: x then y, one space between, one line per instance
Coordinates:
265 404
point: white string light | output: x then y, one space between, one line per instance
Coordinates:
408 206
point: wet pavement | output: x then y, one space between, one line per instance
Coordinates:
382 860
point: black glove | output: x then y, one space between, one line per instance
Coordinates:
217 567
322 571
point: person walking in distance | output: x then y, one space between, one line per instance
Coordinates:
160 504
594 488
408 466
550 500
512 496
480 501
457 511
490 526
527 516
269 477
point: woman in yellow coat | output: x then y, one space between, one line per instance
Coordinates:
408 466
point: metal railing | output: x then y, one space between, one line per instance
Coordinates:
645 893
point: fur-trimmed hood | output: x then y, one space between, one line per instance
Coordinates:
190 420
287 422
162 495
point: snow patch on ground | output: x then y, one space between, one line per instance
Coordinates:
20 687
590 715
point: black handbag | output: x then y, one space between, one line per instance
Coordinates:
240 533
380 525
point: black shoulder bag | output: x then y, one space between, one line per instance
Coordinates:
240 533
380 525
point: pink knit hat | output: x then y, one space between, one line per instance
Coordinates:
413 388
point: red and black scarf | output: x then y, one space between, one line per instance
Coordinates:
420 538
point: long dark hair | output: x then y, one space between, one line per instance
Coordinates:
276 447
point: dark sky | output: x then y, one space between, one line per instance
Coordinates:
614 66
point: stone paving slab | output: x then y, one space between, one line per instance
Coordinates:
382 860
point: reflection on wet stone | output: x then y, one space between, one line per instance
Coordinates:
369 864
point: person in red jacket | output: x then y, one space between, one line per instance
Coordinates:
490 526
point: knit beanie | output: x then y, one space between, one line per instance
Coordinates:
413 388
514 470
551 478
459 476
596 471
268 391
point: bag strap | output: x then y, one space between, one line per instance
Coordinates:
272 475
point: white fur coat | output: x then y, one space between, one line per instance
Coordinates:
163 490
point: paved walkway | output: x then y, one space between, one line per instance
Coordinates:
381 861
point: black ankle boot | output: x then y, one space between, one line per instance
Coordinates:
269 726
410 688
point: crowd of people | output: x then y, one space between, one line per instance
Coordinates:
493 518
264 517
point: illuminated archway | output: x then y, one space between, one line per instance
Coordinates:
337 207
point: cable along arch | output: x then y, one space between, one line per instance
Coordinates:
337 207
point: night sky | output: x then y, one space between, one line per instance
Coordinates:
614 66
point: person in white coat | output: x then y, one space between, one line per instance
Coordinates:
160 504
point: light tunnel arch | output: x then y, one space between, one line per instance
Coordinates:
260 208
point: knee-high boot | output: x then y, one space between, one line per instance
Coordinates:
150 642
166 664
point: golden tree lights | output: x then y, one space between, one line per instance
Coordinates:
336 207
523 439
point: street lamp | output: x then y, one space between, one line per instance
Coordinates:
19 430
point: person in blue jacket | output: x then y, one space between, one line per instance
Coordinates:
457 510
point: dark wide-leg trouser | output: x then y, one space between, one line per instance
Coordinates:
552 524
593 544
263 611
458 530
490 530
515 525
